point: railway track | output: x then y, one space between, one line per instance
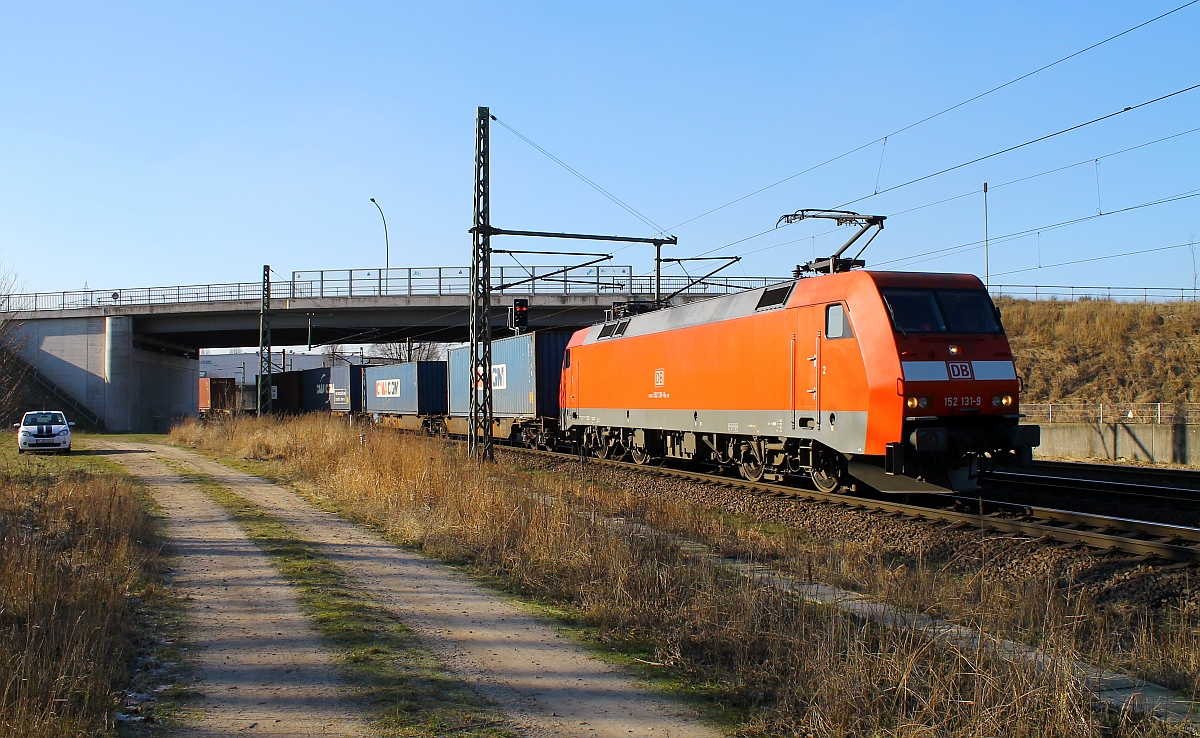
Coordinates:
1137 483
1070 528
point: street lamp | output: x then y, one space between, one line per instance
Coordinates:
387 249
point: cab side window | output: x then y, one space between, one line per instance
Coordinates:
567 359
837 322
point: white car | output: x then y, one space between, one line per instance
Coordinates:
44 430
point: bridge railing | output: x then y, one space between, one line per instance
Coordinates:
538 280
399 282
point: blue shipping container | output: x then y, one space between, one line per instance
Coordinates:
345 389
415 388
315 389
525 375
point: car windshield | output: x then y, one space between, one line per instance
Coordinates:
941 311
44 418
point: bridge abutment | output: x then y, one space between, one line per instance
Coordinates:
98 362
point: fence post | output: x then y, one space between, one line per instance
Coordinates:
1102 413
1160 413
1051 420
439 280
410 281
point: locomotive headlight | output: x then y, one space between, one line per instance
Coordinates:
911 402
998 400
923 402
995 400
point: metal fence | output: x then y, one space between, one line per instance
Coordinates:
1115 412
614 280
1117 294
540 280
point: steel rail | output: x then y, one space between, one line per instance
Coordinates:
1179 479
1101 532
1093 486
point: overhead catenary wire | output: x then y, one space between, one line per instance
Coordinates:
938 114
974 245
1010 149
1094 258
589 182
975 191
975 161
1055 170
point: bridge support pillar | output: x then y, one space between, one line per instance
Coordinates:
118 373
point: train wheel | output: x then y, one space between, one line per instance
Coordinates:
828 469
826 480
752 470
641 458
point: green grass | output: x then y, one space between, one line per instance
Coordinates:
400 683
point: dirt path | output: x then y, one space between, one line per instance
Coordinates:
261 669
547 685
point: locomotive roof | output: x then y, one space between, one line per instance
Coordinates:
826 288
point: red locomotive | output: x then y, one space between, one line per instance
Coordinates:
902 381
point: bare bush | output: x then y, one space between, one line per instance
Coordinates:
74 548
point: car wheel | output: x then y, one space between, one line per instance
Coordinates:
20 451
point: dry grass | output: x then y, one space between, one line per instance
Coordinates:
75 547
783 666
1096 350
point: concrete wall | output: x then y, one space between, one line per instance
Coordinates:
1177 444
165 388
94 360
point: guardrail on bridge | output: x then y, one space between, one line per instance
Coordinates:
399 282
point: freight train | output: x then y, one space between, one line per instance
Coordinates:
902 382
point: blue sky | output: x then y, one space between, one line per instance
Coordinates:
182 143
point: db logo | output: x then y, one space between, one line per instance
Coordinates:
659 377
960 370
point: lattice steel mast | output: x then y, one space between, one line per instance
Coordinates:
264 345
479 443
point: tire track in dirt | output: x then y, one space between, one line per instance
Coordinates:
259 666
547 685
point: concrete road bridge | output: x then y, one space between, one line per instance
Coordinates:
130 357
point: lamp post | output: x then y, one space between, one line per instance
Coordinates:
387 249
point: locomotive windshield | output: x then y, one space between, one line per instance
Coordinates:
941 311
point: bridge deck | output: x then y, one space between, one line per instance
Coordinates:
362 305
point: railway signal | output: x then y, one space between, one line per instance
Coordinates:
518 315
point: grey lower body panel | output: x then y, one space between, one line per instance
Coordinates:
840 430
892 483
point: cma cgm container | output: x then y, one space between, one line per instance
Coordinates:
346 389
314 389
411 395
525 376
